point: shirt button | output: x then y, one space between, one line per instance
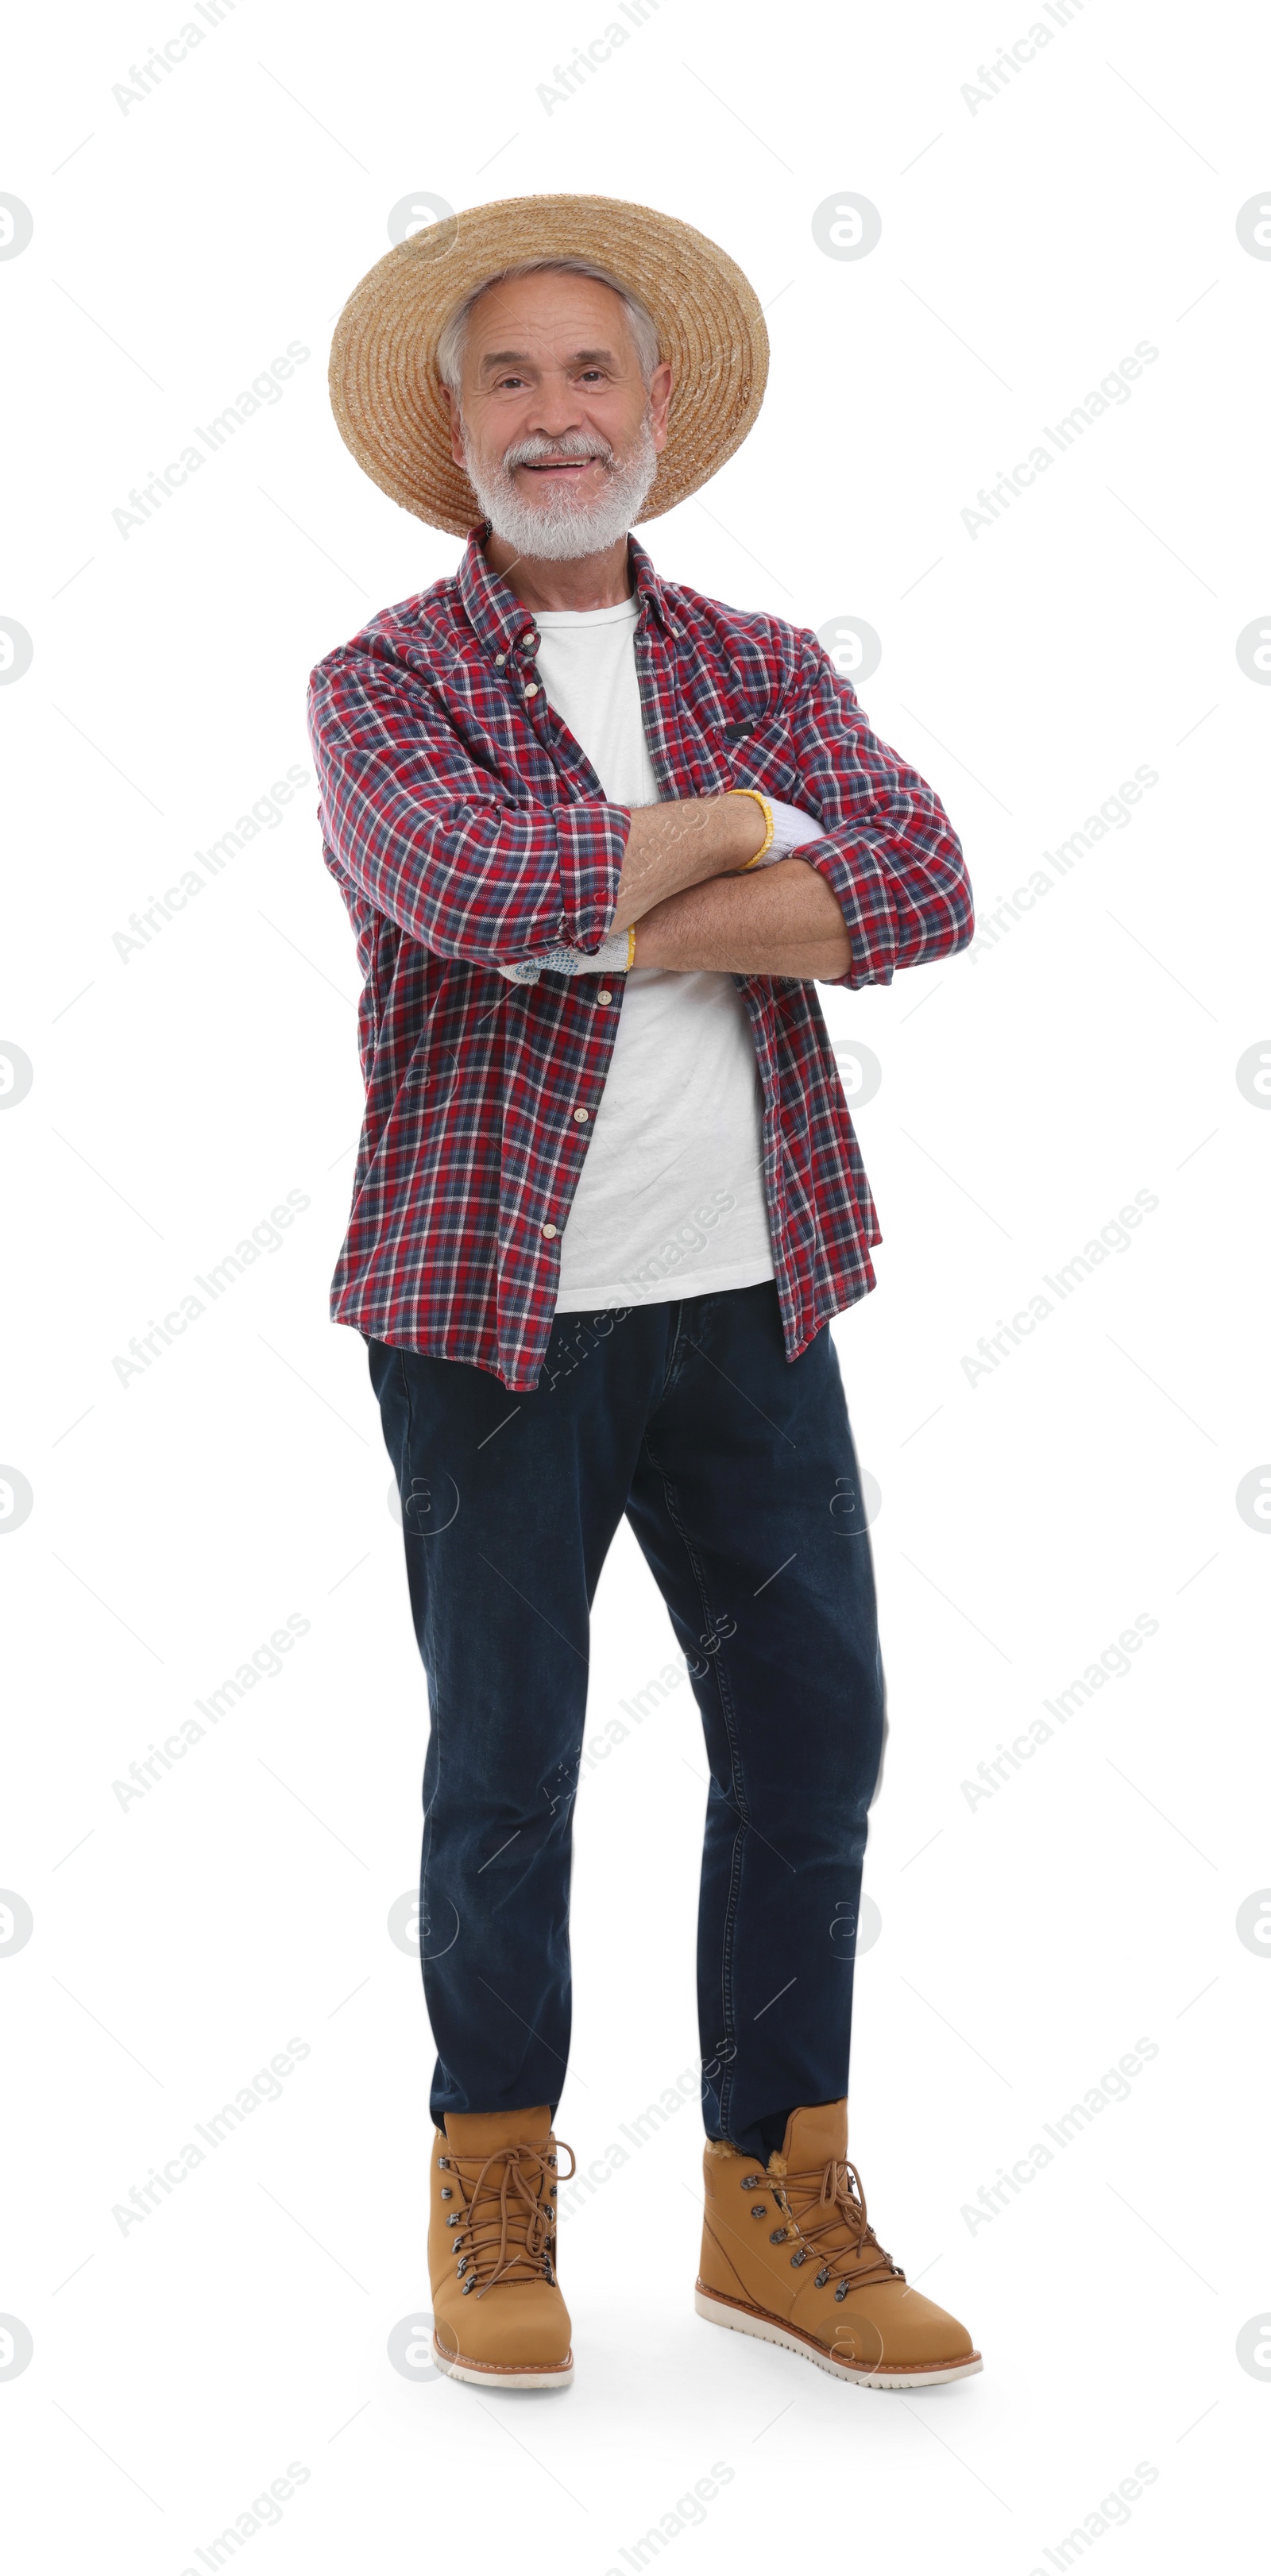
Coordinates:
532 691
581 1115
605 995
548 1233
500 659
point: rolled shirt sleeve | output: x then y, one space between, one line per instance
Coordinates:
890 853
430 839
467 832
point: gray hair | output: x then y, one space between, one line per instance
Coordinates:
453 334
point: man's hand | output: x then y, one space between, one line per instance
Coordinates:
688 840
779 921
682 843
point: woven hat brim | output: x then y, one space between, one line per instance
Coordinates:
385 391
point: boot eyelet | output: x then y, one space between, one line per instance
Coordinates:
443 2164
778 2236
800 2257
446 2192
841 2292
759 2209
820 2281
469 2285
751 2182
455 2219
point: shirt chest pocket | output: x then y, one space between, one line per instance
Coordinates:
757 751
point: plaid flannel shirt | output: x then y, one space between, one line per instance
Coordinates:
466 828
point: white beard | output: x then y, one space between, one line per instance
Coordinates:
559 528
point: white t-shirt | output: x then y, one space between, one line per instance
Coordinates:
670 1202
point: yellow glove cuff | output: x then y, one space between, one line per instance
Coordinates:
769 819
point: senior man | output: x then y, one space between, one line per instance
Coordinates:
599 837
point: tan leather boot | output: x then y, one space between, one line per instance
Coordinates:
498 2315
788 2254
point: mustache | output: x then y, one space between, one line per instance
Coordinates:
537 448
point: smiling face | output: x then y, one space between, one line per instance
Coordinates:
555 427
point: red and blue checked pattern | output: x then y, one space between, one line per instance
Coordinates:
466 829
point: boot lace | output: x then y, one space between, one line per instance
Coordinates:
505 2226
827 2212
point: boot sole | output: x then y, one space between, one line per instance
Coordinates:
720 2311
494 2374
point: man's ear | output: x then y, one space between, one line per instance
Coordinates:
660 390
456 438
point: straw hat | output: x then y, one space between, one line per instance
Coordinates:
386 393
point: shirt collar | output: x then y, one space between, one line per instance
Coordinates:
503 622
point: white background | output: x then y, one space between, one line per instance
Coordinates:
177 1519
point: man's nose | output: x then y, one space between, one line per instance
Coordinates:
556 408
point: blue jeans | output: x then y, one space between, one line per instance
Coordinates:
736 1470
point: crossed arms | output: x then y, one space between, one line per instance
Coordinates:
680 886
419 829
